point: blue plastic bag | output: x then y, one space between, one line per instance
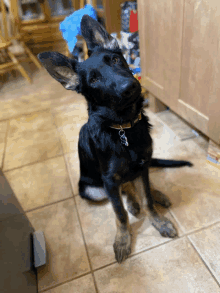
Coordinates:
70 27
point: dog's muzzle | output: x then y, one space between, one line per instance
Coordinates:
129 88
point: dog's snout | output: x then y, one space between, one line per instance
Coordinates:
128 88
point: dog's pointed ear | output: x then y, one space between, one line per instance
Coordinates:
95 34
61 68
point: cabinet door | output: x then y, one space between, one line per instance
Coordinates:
199 95
16 254
160 29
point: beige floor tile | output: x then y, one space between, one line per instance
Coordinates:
72 160
69 120
181 129
26 104
166 144
165 141
31 138
81 285
197 147
172 267
44 92
98 224
207 244
194 193
66 254
3 130
41 183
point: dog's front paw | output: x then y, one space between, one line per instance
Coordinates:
122 247
167 229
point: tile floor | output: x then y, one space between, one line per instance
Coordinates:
39 127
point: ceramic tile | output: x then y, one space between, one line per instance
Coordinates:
26 104
172 267
66 253
3 130
69 120
194 193
99 228
166 144
44 92
41 183
31 138
181 129
153 120
72 160
81 285
207 244
197 147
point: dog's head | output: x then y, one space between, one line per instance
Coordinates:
104 78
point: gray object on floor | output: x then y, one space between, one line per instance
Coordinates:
39 249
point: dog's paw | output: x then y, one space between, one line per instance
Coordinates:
122 247
134 208
161 199
167 229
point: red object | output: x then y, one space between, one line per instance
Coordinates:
133 22
139 77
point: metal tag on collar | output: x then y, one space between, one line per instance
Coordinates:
123 138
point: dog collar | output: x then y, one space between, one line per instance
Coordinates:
127 125
121 128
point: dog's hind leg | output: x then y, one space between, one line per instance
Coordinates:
122 244
133 205
162 224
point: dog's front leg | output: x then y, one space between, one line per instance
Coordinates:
162 224
122 245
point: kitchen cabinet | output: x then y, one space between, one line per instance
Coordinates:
180 59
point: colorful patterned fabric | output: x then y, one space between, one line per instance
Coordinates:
126 8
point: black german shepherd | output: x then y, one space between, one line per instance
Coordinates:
115 145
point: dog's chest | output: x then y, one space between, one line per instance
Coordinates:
133 161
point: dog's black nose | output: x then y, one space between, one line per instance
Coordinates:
128 88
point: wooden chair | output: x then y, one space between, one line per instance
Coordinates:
11 42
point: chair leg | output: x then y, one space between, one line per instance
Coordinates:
19 66
31 55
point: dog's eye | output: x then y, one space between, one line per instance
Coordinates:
93 80
115 60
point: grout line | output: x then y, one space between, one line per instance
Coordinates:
6 136
78 216
139 252
204 262
83 236
86 248
35 162
131 256
193 231
32 163
51 107
202 228
49 204
25 114
65 282
158 245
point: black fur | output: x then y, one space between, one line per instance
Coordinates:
114 97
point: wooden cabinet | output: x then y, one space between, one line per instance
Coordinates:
180 58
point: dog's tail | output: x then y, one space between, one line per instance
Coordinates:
169 163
